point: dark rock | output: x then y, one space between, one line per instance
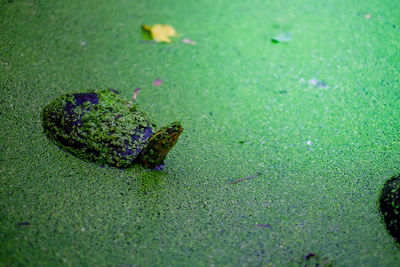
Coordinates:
389 204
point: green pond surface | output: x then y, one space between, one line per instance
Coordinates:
310 128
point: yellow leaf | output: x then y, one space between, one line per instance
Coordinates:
161 33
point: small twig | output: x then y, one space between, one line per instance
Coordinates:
135 94
246 178
23 223
264 225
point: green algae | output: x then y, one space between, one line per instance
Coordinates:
321 200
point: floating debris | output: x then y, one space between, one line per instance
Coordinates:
316 83
157 82
313 81
312 259
309 256
23 223
246 178
264 225
282 38
135 94
188 41
160 32
114 91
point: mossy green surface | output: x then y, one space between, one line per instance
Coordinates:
317 117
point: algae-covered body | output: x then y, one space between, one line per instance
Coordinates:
389 204
102 127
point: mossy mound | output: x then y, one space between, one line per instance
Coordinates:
98 126
389 204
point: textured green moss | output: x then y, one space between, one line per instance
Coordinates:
389 204
100 132
321 200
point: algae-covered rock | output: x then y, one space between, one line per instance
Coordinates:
102 127
389 204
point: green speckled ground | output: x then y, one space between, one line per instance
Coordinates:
318 117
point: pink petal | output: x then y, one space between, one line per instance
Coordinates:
157 82
135 94
188 41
